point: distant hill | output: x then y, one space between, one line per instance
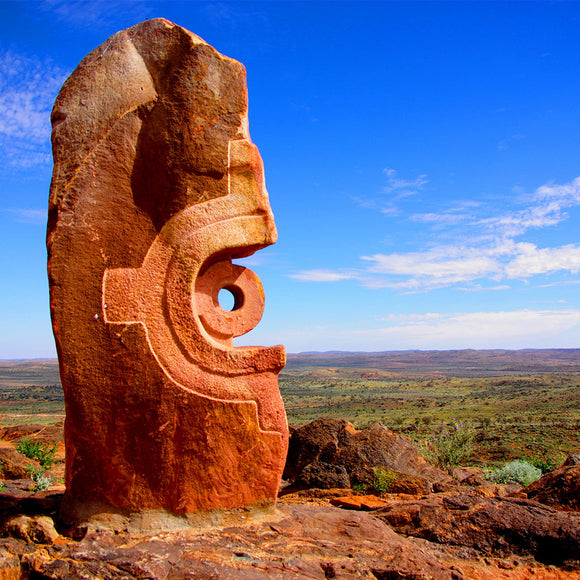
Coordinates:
457 363
447 362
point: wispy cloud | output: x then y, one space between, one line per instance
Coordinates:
96 13
235 16
515 329
396 189
28 216
484 249
441 331
403 187
28 88
320 276
545 208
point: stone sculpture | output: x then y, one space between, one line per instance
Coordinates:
156 188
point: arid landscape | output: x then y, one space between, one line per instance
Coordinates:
523 404
382 409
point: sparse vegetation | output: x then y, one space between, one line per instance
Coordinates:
547 464
451 447
384 479
40 451
41 479
517 471
411 393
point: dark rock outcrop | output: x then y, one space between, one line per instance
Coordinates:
322 476
14 465
301 542
51 433
572 459
337 442
493 526
559 489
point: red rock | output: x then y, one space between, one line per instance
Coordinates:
559 489
15 465
156 187
9 566
51 433
492 526
337 442
300 542
359 502
323 476
38 529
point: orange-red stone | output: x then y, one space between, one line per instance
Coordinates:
156 188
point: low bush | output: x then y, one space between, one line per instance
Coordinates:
384 478
451 447
545 463
40 451
41 479
517 471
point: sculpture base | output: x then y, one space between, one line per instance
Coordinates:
101 517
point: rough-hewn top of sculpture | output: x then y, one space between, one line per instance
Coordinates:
156 187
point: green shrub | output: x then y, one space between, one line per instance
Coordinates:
384 478
451 447
40 451
545 463
40 478
517 471
360 486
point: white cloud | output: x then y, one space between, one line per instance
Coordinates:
97 13
443 219
439 331
403 187
530 260
395 190
546 208
484 249
440 266
320 276
28 88
515 329
29 216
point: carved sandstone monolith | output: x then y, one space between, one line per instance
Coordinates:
156 188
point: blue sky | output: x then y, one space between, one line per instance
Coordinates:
422 160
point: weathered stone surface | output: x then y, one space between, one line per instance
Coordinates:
572 459
492 526
323 476
156 188
38 529
14 464
359 502
301 542
9 566
51 433
337 442
292 541
559 489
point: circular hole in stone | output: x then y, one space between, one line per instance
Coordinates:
226 299
231 298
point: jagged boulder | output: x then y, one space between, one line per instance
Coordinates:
51 433
572 459
490 526
559 489
336 442
321 475
38 529
14 465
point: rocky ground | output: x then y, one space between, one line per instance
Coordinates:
428 525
